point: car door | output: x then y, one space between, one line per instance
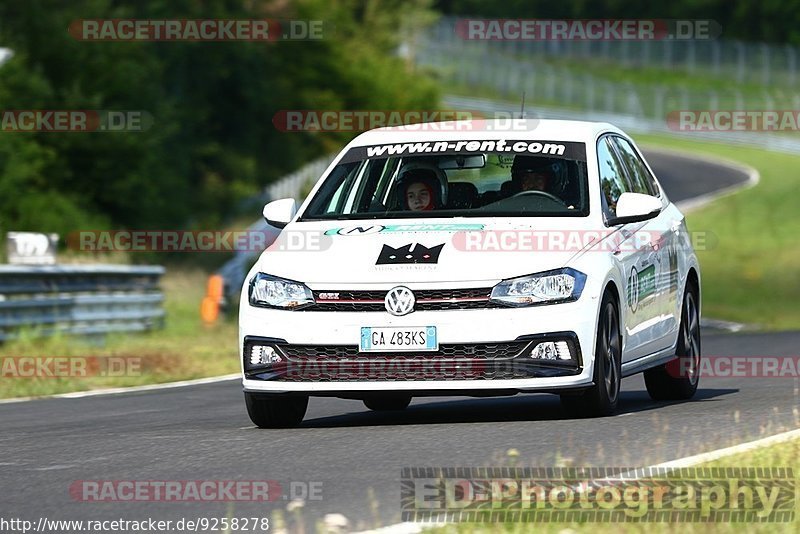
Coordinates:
632 255
661 263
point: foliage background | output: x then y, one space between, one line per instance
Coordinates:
212 143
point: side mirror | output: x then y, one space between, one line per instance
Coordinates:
278 213
635 207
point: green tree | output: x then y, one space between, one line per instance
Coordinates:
212 142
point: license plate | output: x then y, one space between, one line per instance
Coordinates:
393 339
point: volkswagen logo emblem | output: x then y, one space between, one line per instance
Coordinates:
399 301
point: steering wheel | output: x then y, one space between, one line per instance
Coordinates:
541 194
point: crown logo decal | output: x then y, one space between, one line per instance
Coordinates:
411 253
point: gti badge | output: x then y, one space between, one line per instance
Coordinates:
411 253
399 301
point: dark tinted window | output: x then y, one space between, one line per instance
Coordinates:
612 175
640 178
479 184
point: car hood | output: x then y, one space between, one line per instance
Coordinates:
423 251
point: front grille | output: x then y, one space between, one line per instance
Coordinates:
472 351
475 361
504 360
427 299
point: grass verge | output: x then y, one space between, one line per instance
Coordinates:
781 455
750 270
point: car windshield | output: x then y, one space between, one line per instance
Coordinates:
455 179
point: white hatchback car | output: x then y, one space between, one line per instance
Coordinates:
460 262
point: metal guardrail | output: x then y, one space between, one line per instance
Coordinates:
80 299
291 185
740 62
765 140
507 68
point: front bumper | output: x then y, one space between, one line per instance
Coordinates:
481 351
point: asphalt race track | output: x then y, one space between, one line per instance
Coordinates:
203 432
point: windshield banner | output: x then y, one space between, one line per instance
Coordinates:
555 149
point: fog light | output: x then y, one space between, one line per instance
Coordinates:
263 355
551 350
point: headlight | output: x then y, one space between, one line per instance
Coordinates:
561 285
273 292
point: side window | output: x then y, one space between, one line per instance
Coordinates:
335 200
330 196
612 175
641 179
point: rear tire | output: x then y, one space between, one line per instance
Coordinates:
388 403
678 379
267 411
602 398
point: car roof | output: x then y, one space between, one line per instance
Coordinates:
521 129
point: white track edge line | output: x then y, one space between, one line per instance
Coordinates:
690 204
129 389
710 456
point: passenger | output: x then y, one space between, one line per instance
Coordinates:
420 190
419 196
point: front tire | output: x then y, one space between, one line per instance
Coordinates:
388 403
602 398
267 411
678 379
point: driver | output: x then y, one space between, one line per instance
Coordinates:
531 174
536 181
